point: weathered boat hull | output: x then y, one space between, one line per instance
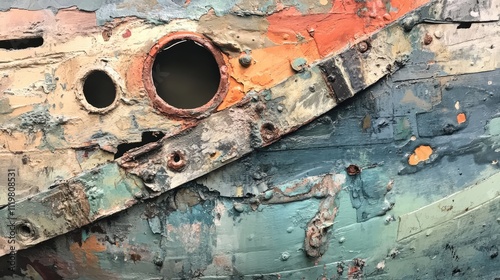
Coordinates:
393 175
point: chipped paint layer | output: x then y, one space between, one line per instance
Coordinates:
397 181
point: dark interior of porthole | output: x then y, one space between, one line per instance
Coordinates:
185 74
99 89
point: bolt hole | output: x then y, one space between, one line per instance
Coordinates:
177 157
99 89
176 161
268 126
268 132
25 230
186 74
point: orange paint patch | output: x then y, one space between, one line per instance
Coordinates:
345 23
421 153
272 65
134 81
461 118
234 95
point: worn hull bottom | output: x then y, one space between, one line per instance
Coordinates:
198 232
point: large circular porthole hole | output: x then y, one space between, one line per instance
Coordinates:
99 89
185 74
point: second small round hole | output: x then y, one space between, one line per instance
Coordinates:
99 89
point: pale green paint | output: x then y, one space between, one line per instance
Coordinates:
450 207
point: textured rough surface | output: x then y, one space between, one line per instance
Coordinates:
359 141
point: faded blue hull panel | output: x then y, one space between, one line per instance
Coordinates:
402 181
192 236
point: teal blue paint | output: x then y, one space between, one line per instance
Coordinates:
299 64
162 11
110 187
402 128
299 186
85 235
200 213
305 75
267 94
493 127
259 237
268 194
155 225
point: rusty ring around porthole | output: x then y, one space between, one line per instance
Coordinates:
168 109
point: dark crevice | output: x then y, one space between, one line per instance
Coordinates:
20 44
147 137
464 25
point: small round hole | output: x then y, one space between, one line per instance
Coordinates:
177 157
99 89
186 74
268 127
269 132
24 230
176 161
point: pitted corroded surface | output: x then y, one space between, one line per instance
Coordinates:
424 132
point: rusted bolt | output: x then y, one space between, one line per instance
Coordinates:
176 160
268 132
363 47
245 60
26 230
331 78
353 170
427 39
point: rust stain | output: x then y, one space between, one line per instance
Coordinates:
353 170
85 255
345 23
127 33
421 153
461 118
135 257
367 122
427 39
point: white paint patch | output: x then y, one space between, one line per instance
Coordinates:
339 179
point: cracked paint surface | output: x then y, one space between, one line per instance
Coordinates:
293 208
